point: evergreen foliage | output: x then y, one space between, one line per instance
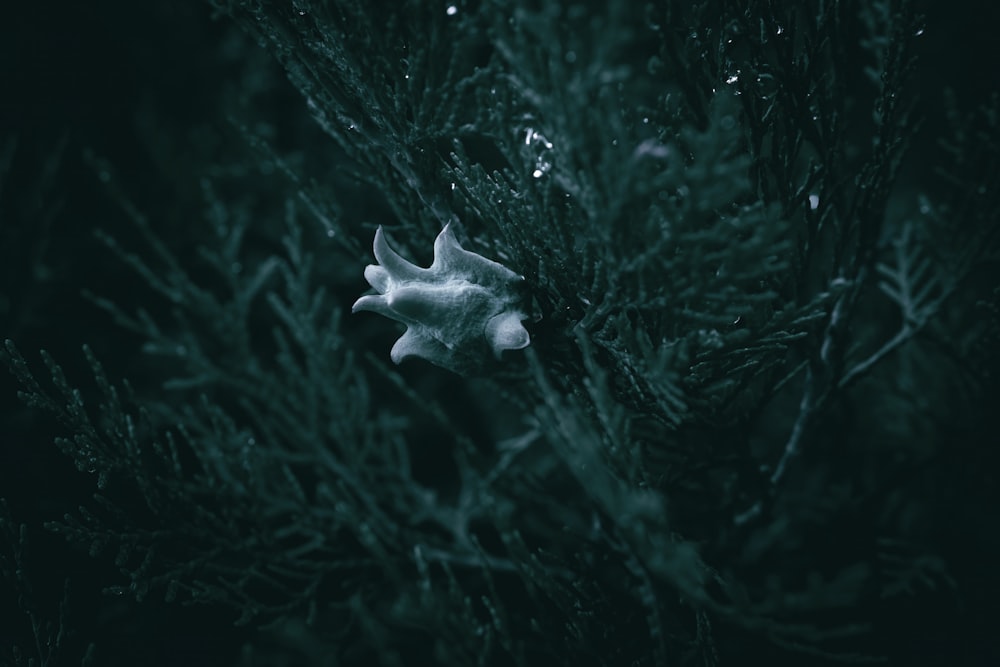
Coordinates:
714 450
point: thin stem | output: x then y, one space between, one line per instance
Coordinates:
904 334
807 407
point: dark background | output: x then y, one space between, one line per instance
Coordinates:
151 87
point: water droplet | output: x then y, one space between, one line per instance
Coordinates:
918 33
779 31
733 78
542 167
451 11
813 202
532 137
537 140
330 233
645 121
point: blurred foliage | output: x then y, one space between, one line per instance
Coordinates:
763 347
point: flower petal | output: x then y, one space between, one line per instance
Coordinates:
412 344
375 303
378 277
505 332
398 268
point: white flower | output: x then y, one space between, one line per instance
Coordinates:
457 312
